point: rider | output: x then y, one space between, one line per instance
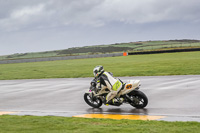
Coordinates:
106 80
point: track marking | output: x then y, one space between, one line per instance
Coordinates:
118 117
3 113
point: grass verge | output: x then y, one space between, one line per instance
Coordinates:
53 124
183 63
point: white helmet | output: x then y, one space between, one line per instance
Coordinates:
98 70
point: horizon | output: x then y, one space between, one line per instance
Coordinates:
100 45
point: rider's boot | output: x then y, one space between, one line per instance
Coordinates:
107 102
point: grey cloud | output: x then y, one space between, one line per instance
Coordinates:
8 6
51 13
146 11
46 13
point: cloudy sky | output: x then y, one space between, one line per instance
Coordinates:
42 25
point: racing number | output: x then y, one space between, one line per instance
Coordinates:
128 86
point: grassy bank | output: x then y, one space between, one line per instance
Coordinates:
117 47
183 63
52 124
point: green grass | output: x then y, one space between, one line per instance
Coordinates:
52 124
183 63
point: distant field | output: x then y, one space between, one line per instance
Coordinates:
183 63
158 45
118 47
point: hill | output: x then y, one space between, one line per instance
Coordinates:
118 47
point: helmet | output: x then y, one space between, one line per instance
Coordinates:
98 70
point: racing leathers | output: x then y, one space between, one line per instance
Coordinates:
106 80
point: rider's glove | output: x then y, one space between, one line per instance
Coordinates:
93 83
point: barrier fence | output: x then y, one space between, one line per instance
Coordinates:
93 56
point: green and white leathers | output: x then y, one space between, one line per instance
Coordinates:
106 80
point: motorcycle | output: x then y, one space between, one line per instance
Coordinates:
129 94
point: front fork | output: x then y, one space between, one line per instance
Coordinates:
93 95
128 99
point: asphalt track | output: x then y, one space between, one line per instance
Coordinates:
176 98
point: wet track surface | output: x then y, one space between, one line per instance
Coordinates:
176 97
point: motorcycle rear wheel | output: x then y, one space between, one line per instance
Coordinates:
93 102
138 99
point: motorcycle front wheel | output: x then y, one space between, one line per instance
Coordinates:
138 99
93 102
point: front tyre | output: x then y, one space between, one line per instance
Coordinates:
138 99
93 102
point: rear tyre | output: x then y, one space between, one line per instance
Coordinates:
138 99
93 102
